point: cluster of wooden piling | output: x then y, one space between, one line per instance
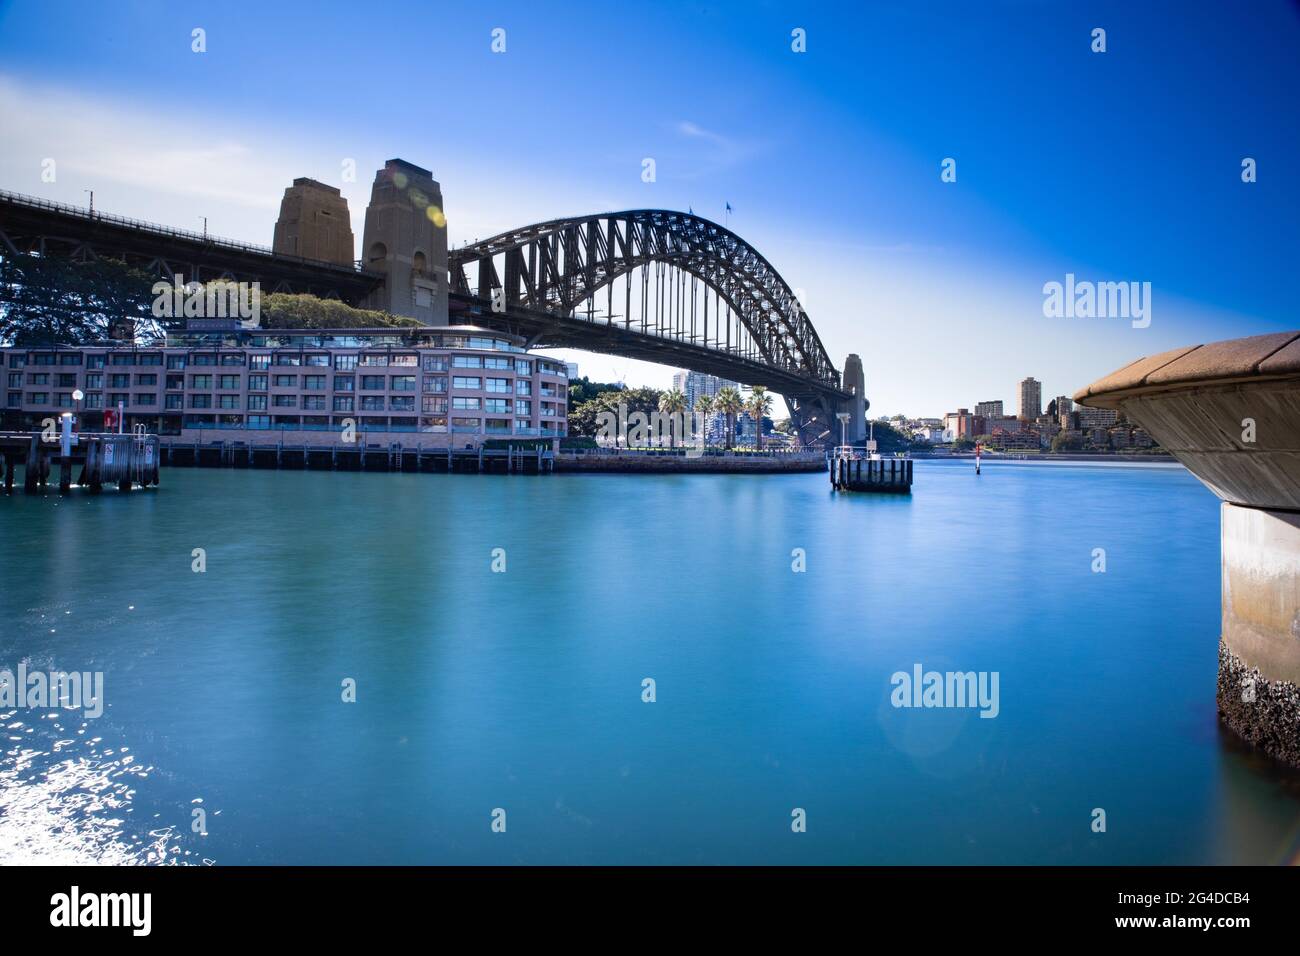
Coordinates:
890 475
125 460
358 456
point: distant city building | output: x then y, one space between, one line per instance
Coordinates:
1064 411
960 424
1007 424
989 409
695 384
1097 417
1031 399
572 369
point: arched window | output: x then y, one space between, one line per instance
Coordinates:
378 252
419 263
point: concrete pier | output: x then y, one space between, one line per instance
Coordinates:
1230 412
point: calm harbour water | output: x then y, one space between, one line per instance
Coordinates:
478 690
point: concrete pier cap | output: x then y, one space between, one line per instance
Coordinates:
1230 412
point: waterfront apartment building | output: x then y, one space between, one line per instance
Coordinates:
989 410
1031 399
425 387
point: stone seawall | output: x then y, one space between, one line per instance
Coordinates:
669 464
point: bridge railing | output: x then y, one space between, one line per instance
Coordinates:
36 202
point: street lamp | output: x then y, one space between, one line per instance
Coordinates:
92 201
844 424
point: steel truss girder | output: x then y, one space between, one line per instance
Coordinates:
555 266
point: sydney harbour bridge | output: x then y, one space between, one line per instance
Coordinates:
651 284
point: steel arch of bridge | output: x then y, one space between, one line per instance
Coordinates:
554 267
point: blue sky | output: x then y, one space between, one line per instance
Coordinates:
1123 165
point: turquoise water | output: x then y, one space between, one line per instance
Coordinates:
522 690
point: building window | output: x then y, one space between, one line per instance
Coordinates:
94 361
402 403
523 367
372 383
285 401
150 358
38 398
467 361
227 401
38 378
345 363
119 398
199 381
257 383
232 358
313 403
95 380
466 382
435 383
466 404
259 361
95 400
173 361
501 385
435 363
317 360
146 379
343 403
122 380
523 386
435 404
502 363
70 358
403 383
146 398
288 358
500 406
285 381
314 383
259 421
372 403
194 359
256 402
200 401
174 401
523 407
405 359
228 382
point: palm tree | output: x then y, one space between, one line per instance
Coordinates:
759 405
704 405
672 403
728 402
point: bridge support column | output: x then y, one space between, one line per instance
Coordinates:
1230 412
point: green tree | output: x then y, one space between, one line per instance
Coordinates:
759 406
672 403
283 311
729 403
50 300
704 405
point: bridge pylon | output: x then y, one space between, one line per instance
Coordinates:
854 381
406 239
